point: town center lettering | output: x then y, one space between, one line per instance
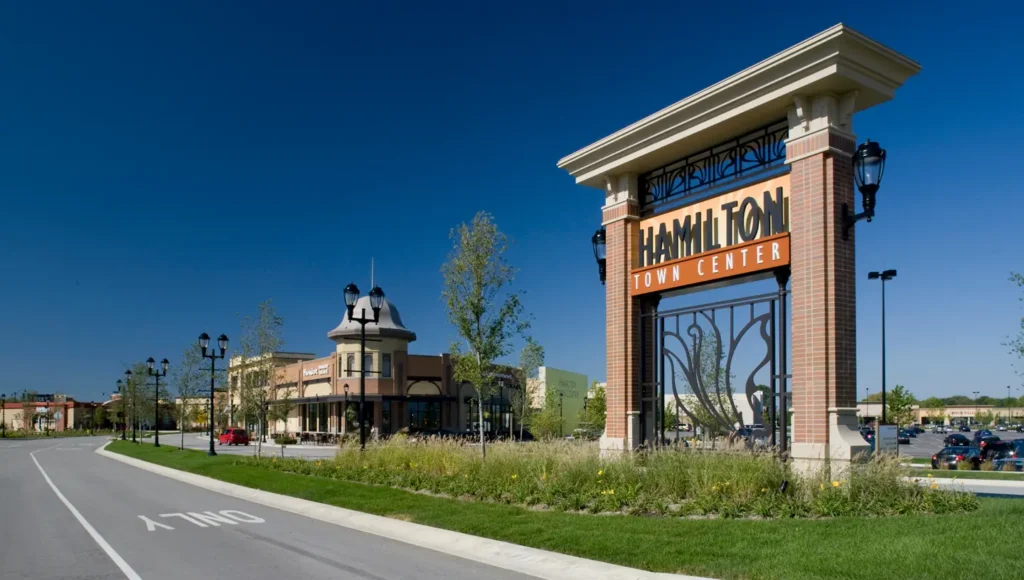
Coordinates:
699 231
740 232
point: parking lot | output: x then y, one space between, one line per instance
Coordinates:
925 444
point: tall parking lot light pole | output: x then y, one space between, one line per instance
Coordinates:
976 393
156 395
376 301
884 276
3 414
204 344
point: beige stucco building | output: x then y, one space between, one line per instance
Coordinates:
48 413
403 390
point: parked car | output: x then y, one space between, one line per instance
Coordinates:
986 444
964 429
1010 458
956 440
982 433
868 435
1001 428
950 457
917 429
940 429
903 437
233 436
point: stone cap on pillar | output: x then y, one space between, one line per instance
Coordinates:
839 61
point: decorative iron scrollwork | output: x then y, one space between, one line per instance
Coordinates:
737 158
699 360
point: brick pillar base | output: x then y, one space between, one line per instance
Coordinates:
622 314
824 337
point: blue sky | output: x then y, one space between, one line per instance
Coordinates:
167 166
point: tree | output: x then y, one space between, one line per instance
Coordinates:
260 339
874 397
984 417
547 422
191 383
99 417
899 406
280 408
596 410
932 403
720 416
1016 343
531 358
484 309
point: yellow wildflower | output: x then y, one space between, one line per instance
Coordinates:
929 475
764 490
835 484
714 488
823 487
514 476
600 472
935 486
611 492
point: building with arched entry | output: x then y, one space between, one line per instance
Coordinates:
403 390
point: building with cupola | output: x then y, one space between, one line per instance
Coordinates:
403 390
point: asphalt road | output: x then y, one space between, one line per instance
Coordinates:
66 512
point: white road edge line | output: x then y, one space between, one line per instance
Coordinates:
522 559
128 571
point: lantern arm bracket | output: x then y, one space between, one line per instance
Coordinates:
850 218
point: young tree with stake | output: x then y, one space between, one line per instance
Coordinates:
191 381
531 358
484 309
261 338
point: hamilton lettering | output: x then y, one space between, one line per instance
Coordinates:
698 232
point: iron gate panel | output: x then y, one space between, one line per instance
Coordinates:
688 342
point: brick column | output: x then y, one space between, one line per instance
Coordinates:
620 217
823 284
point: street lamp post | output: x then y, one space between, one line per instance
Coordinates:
884 276
376 301
156 395
124 408
127 387
204 344
560 434
345 412
976 393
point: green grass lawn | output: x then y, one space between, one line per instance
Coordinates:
869 548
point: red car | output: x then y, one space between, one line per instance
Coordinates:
233 436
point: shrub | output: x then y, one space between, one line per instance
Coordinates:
571 476
285 440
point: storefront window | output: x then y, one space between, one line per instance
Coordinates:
350 362
385 366
424 414
368 365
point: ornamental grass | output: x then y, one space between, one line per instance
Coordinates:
572 476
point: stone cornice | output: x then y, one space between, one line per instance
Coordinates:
838 60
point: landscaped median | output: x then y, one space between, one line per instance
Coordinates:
726 547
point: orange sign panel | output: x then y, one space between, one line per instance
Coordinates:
738 260
740 232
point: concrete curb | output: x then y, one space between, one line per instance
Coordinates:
530 561
987 482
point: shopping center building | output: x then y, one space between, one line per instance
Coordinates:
403 390
47 413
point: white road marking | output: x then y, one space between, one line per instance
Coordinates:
243 517
153 525
128 571
186 518
68 449
212 518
